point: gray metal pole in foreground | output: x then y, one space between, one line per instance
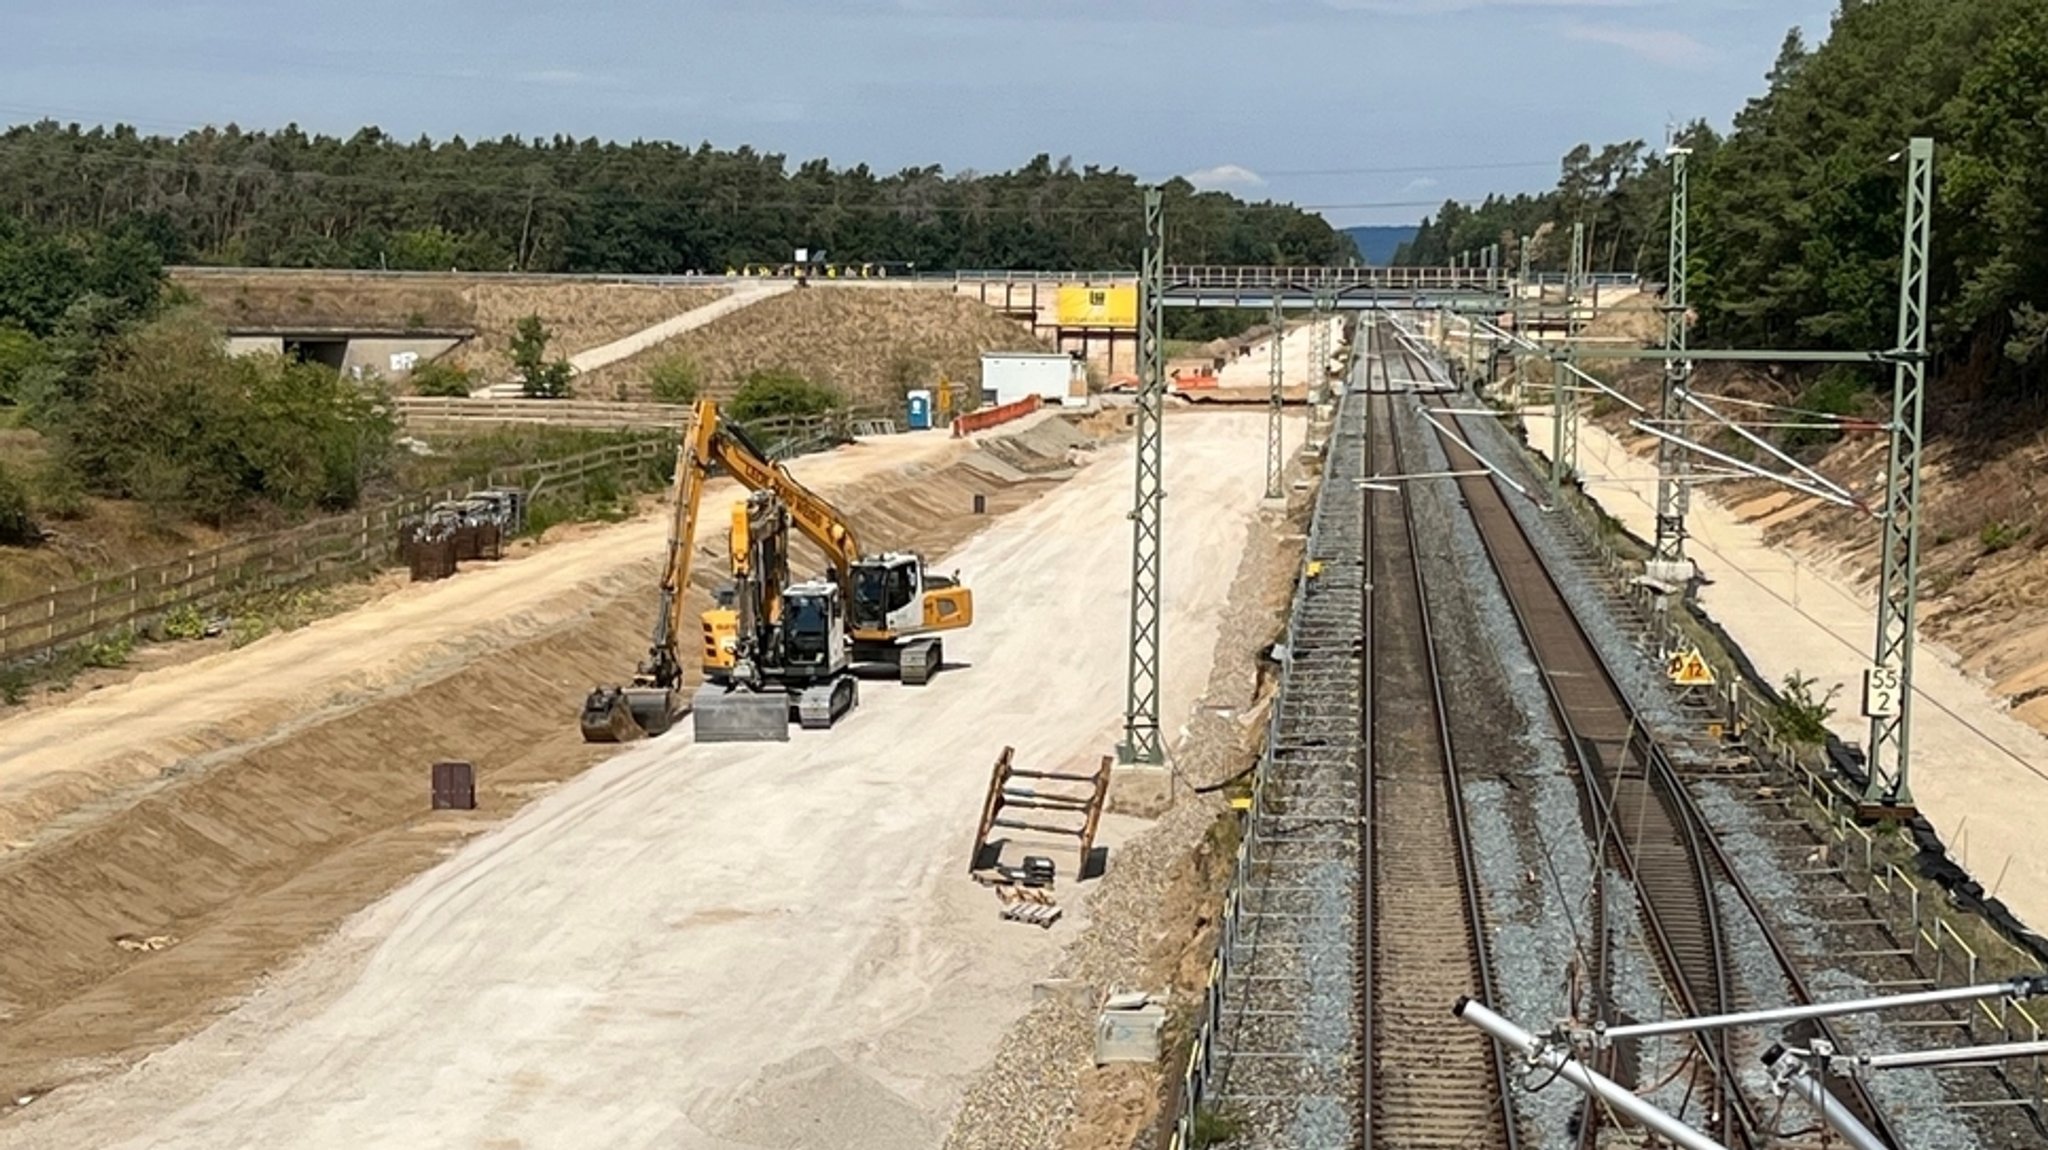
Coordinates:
1944 1059
1564 413
2016 988
1141 745
1672 494
1566 1065
1799 1078
1275 460
1891 709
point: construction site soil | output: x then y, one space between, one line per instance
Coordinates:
868 343
171 839
719 947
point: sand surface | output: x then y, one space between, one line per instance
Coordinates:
770 945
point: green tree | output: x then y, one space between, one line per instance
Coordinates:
17 526
542 377
20 354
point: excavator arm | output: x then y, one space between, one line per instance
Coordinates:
663 666
819 521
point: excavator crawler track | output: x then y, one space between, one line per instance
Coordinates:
919 661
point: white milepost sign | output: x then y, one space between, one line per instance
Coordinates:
1881 690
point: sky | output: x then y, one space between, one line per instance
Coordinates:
1369 111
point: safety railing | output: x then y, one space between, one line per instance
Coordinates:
1200 1071
1929 932
987 417
1228 278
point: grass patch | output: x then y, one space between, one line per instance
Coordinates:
1216 1125
1999 536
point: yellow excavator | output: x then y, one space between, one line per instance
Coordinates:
774 649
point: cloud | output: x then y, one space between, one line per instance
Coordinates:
1666 46
1226 176
1419 184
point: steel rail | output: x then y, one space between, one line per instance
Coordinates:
1468 870
1709 857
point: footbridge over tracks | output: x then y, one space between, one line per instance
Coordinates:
1094 314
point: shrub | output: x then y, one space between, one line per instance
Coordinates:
675 379
776 394
185 623
17 526
1799 716
170 418
1834 393
1215 1126
542 377
1998 536
110 652
20 352
57 493
246 629
442 379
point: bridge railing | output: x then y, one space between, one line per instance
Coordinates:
1227 278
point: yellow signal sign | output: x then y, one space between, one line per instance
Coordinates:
1688 669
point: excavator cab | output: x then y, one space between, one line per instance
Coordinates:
897 604
813 628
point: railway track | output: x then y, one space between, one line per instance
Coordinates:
1648 826
1426 1083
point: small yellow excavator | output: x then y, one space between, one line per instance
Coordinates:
774 649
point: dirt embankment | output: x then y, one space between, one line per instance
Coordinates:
1984 517
870 344
580 315
172 839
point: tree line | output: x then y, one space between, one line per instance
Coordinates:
135 398
291 199
1797 211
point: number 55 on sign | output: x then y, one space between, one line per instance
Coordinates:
1882 688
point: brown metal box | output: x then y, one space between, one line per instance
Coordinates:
454 786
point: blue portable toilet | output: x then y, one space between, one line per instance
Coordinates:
919 417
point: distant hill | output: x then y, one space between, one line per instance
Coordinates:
1376 242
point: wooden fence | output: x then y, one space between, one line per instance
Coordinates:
439 413
326 549
431 413
315 552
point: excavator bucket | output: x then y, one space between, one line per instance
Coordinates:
623 714
737 715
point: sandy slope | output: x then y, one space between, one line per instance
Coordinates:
1979 774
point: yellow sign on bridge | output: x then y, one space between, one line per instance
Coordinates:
1099 307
